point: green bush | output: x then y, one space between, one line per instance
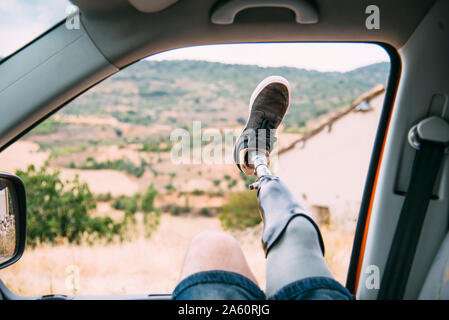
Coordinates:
59 151
148 199
173 209
48 126
132 117
118 132
145 203
172 175
128 204
241 121
218 193
58 210
158 145
240 211
103 197
169 187
186 208
198 192
232 184
151 221
125 165
151 215
206 212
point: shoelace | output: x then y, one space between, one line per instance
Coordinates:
268 125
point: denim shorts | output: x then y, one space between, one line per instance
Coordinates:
226 285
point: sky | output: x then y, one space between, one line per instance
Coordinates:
23 20
312 56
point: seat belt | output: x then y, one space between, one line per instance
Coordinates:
430 138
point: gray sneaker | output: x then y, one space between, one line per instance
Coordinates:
268 105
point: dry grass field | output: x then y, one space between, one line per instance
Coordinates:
143 266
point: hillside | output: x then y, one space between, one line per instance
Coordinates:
151 92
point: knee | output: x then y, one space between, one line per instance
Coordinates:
301 224
300 227
214 241
211 250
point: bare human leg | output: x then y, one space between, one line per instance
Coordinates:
212 250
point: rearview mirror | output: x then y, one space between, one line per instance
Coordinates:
12 219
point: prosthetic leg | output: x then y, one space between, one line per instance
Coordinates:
291 239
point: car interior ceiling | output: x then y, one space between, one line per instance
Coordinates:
117 33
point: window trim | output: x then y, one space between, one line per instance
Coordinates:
363 220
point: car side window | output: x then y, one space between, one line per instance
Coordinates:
122 178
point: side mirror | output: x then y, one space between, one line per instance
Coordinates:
12 219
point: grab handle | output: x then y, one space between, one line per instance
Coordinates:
304 11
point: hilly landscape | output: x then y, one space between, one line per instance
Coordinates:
145 102
151 92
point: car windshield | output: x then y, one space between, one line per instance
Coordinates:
21 21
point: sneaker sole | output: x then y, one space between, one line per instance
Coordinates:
265 82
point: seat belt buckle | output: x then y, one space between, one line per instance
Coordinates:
433 129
